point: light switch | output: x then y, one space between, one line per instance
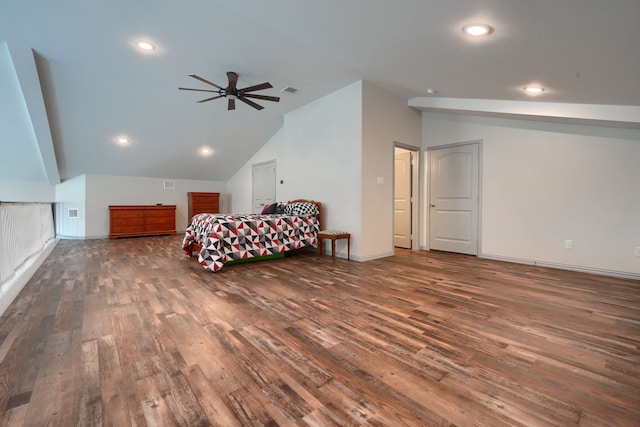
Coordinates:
380 180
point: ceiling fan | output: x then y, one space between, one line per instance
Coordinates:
231 92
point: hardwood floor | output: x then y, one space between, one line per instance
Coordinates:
131 332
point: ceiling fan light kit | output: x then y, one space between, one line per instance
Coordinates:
232 93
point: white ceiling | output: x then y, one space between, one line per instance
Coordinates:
96 85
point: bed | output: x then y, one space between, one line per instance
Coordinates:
221 239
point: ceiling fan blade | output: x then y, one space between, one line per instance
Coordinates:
205 81
249 102
261 86
198 90
232 104
233 80
265 97
209 99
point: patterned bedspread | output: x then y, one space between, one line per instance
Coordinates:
225 237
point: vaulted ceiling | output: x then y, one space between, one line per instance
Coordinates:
72 79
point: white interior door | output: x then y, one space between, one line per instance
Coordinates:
453 177
402 199
263 177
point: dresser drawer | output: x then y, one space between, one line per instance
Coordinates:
208 207
118 220
141 220
127 213
160 222
126 228
199 202
159 213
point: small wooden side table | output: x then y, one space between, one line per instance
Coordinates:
334 235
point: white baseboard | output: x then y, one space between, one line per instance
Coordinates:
600 271
343 255
372 257
63 237
12 287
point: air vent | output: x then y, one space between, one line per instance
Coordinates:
73 213
169 185
289 89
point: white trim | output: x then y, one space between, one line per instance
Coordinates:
416 193
12 287
479 143
256 166
370 257
591 270
627 116
25 64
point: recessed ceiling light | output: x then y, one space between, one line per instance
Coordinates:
533 90
122 140
205 151
477 30
145 45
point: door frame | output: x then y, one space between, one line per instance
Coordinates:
415 192
428 187
275 179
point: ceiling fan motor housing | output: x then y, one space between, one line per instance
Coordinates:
231 92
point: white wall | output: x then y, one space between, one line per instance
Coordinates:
333 150
543 183
103 190
239 185
318 156
19 144
26 191
323 161
71 194
91 196
386 119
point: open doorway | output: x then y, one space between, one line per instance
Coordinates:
405 206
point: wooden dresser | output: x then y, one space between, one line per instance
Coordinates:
202 203
141 220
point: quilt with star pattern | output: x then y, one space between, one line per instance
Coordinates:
223 237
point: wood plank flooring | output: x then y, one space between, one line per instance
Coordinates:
132 332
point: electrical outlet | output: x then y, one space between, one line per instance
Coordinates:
568 244
637 251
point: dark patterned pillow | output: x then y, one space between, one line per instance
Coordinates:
301 209
270 209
